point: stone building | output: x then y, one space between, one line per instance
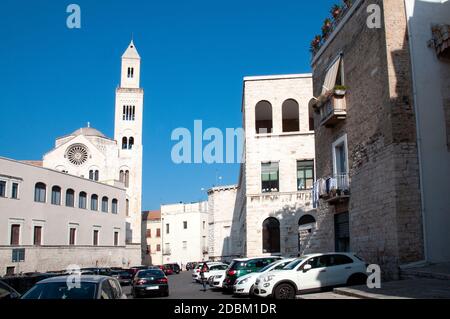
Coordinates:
369 190
50 220
90 154
151 223
184 236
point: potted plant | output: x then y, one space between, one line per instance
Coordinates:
326 28
336 11
315 44
340 90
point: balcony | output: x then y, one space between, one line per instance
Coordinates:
333 110
334 189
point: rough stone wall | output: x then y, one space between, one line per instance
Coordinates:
384 206
54 258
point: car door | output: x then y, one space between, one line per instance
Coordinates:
339 269
117 290
314 278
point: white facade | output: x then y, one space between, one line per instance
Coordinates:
431 84
90 154
54 218
184 235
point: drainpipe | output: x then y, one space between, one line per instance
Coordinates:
419 136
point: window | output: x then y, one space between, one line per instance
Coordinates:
158 247
263 117
130 143
95 239
269 177
340 157
271 235
204 224
39 192
184 225
124 143
82 200
91 175
167 228
94 202
290 113
70 198
130 73
2 189
317 262
114 206
72 236
122 176
158 232
105 204
336 260
15 235
127 207
116 238
56 195
127 178
342 232
96 176
149 233
184 244
334 76
14 191
305 174
37 238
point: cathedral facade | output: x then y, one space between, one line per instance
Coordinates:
90 154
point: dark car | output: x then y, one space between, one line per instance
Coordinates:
174 266
123 276
241 267
8 292
88 287
150 281
167 270
134 270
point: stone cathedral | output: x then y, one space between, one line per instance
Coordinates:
117 161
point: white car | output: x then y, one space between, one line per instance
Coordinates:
214 268
217 280
245 284
312 273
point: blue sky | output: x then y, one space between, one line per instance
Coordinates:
54 80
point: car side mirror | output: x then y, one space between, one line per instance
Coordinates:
307 267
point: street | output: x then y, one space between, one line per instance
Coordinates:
181 286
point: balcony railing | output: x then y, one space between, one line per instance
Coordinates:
332 189
333 110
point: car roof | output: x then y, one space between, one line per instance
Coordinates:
260 257
83 278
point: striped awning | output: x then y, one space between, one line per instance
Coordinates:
330 78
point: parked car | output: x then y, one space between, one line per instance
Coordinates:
167 270
7 292
244 266
245 284
217 280
174 266
214 268
191 265
133 270
90 287
124 277
151 281
24 282
309 273
197 269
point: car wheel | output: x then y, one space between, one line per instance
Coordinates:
284 291
357 280
250 292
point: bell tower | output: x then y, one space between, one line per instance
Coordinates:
128 134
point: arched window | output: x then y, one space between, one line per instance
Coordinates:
91 175
122 176
40 190
271 235
306 220
263 117
290 116
56 195
82 199
130 143
124 143
127 178
70 198
96 175
306 225
114 204
105 204
127 208
94 202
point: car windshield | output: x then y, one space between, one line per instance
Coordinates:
61 290
293 264
265 268
150 273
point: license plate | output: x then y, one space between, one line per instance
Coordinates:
152 288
